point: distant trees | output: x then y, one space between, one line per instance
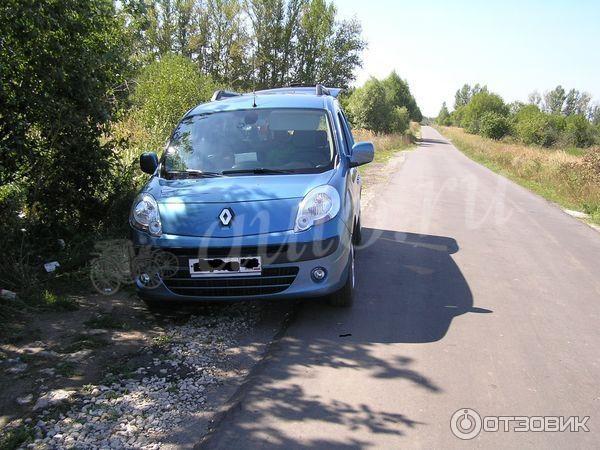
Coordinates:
465 93
443 117
383 106
558 101
556 118
400 96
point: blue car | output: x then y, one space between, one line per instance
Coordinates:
256 196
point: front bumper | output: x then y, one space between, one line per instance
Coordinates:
288 259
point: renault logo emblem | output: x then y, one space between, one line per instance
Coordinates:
226 217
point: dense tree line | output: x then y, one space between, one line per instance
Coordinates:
556 118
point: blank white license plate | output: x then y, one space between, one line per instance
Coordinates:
210 267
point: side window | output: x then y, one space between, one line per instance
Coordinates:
348 139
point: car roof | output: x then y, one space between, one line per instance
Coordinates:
292 97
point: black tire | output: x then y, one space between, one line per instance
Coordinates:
345 296
357 235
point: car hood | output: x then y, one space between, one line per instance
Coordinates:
259 204
239 188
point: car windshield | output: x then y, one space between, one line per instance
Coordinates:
259 141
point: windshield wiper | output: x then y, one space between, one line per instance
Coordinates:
195 173
257 171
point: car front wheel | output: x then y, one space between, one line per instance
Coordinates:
345 296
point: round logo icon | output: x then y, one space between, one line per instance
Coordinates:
465 423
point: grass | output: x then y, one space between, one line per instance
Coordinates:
66 369
15 437
559 175
83 342
387 145
161 341
59 302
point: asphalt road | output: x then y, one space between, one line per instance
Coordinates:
472 293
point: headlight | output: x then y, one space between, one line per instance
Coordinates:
145 216
318 206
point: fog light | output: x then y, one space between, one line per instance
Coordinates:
318 274
144 278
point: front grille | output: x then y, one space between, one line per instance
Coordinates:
271 254
271 281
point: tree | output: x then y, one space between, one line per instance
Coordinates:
535 99
480 104
222 44
443 117
464 94
400 96
274 26
165 90
594 114
576 103
554 100
60 63
343 55
160 27
301 41
316 26
370 107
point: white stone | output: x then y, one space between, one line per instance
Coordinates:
52 398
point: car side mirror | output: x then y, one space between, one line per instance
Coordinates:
148 162
362 153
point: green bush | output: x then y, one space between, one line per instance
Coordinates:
481 103
60 62
165 90
401 120
578 131
370 108
383 106
534 127
494 125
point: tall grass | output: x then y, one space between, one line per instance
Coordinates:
386 145
567 178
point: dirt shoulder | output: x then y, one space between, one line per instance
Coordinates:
114 374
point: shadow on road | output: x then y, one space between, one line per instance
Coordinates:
428 142
410 285
409 290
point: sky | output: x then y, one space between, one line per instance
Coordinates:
515 47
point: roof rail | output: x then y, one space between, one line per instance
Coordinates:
322 90
221 94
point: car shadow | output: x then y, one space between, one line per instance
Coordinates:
408 291
407 285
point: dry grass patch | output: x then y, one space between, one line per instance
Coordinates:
571 180
388 144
